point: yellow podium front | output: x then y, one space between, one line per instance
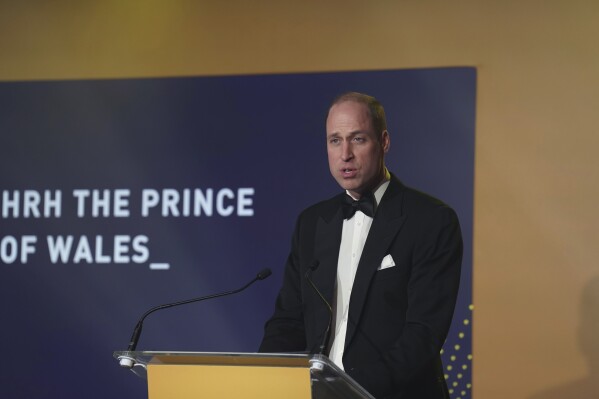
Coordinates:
187 375
210 381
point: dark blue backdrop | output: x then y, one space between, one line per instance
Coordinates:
62 321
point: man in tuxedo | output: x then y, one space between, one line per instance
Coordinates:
386 258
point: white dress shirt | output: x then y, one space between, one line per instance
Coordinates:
353 237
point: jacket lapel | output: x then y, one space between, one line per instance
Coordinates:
387 221
326 250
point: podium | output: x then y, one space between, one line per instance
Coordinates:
186 375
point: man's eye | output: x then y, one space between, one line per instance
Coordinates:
359 139
334 141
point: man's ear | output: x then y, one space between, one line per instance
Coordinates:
385 141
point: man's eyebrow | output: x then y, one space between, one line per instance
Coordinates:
351 134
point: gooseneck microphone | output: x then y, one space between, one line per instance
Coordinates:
137 331
325 339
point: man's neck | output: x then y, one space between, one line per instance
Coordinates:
386 176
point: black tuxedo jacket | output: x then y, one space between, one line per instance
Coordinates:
399 316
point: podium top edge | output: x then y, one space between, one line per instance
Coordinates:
218 358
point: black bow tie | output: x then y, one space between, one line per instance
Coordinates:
364 204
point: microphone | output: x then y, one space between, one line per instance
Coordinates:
325 339
126 362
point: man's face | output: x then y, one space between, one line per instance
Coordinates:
356 154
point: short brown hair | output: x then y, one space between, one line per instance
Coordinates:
375 108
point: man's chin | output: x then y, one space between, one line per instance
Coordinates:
347 185
353 189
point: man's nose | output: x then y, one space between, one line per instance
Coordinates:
346 151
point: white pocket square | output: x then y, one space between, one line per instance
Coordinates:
387 262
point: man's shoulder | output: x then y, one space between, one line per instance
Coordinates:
420 199
327 207
412 200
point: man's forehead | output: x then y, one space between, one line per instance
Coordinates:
348 115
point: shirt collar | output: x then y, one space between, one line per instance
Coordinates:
379 191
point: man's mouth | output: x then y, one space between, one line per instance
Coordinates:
348 172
